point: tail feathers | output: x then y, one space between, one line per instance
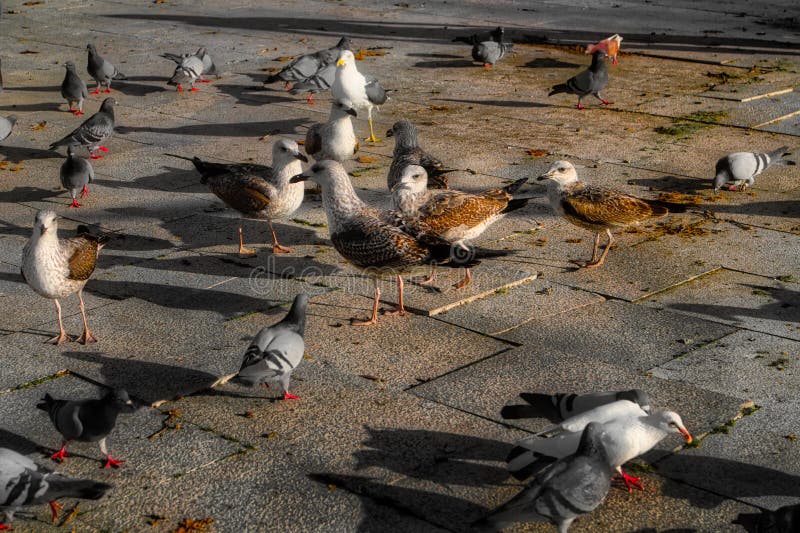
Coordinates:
516 412
524 463
100 238
558 89
455 256
62 142
172 57
511 188
202 167
516 203
272 78
46 403
119 76
776 157
63 487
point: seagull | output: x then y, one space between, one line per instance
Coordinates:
452 216
56 268
334 139
362 235
408 152
739 170
363 91
93 132
590 81
23 484
569 488
209 67
630 432
257 191
559 407
596 208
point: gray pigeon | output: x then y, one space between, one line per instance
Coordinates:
6 125
74 89
408 152
93 132
334 139
495 35
76 173
22 484
277 350
559 407
208 64
189 70
490 52
590 81
310 65
87 420
321 81
567 489
741 168
101 70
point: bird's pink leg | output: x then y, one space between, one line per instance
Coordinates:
310 98
108 88
465 281
55 507
277 248
93 155
203 80
427 280
605 102
102 148
86 337
60 454
244 251
580 105
289 396
110 461
84 191
287 85
374 318
193 88
399 310
5 527
96 89
77 112
630 481
487 65
62 335
74 203
596 263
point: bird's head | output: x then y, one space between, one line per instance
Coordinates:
69 65
401 129
345 106
285 151
670 422
120 399
346 57
720 179
45 222
322 172
413 180
561 172
90 47
108 104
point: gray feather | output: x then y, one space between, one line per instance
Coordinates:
490 52
7 125
76 172
741 168
94 130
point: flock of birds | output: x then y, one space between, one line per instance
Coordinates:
430 226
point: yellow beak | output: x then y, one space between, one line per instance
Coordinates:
339 62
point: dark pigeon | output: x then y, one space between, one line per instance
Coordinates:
101 70
93 132
74 89
76 174
408 152
590 81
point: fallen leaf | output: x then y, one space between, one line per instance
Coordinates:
791 436
573 241
270 435
15 169
154 519
249 414
364 52
188 525
300 142
366 159
39 125
270 69
439 108
331 486
159 1
32 3
29 52
534 152
283 59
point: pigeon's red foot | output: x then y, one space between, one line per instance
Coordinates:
95 156
74 203
204 80
55 507
102 148
96 91
630 480
60 454
614 61
605 102
310 98
107 90
287 85
580 106
732 187
179 88
110 461
193 88
487 65
289 396
77 112
5 527
84 191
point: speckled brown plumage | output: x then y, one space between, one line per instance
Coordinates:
596 208
82 250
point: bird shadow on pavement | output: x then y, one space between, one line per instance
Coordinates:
495 103
146 380
19 153
733 479
456 63
784 306
776 208
171 179
548 62
783 520
44 106
231 129
437 56
29 194
128 88
254 95
669 183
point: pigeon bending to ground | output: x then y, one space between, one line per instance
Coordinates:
189 70
408 152
590 81
55 268
596 208
74 89
570 487
449 215
611 46
490 52
23 484
363 91
93 132
6 125
495 35
101 70
209 67
559 407
309 65
321 81
76 174
362 235
739 170
277 350
87 420
334 139
257 191
629 430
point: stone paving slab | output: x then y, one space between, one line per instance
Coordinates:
741 300
620 333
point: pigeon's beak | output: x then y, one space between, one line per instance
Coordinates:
352 112
339 62
685 434
389 133
299 177
301 157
